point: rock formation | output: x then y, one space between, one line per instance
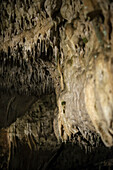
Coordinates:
56 82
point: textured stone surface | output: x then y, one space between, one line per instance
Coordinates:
56 82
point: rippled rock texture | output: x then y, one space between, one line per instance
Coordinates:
56 84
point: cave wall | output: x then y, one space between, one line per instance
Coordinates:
56 83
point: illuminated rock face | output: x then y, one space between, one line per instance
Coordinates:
86 102
99 98
56 74
52 48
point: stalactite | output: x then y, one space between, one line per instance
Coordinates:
40 49
46 49
35 51
49 33
54 40
43 45
56 53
